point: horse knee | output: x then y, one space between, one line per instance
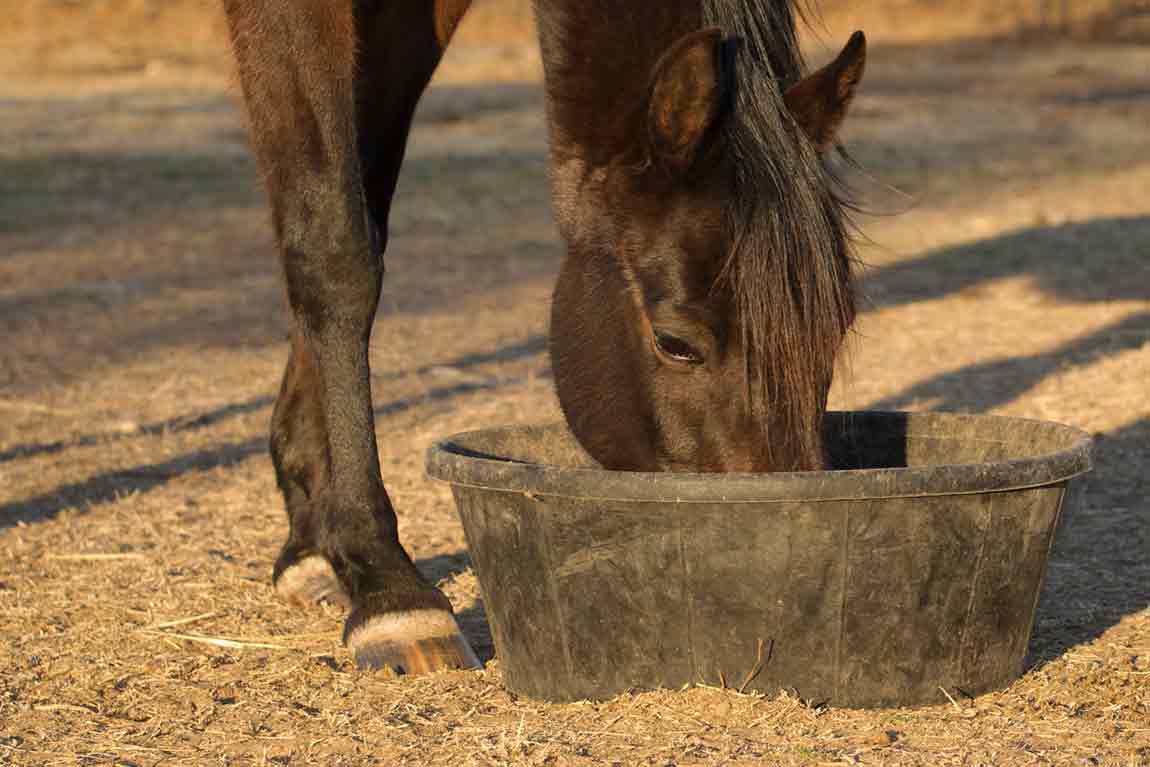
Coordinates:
332 263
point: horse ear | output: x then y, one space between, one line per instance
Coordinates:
819 102
687 95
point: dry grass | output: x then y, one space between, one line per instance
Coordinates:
143 340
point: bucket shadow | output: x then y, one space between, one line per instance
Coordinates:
1098 571
444 566
473 623
472 619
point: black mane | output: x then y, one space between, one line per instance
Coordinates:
789 272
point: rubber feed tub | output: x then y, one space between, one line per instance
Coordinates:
915 567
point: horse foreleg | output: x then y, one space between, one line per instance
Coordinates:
305 68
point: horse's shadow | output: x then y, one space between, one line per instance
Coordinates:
1098 571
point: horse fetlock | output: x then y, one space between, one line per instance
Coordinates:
310 580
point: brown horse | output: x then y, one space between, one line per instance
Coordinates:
698 313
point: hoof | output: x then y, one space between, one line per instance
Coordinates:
309 581
411 642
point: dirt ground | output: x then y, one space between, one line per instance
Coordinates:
142 335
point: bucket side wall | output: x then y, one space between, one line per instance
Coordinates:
856 603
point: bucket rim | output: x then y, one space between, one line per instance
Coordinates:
449 460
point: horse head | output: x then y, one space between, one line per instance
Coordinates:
707 286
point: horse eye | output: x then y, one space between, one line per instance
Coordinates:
677 349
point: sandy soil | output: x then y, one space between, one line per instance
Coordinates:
143 337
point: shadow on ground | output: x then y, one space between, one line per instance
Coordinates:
988 385
1075 113
115 484
472 620
1098 261
1098 570
43 193
1104 259
183 259
451 102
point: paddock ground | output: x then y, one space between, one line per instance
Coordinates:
142 336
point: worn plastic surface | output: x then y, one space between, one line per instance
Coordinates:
915 565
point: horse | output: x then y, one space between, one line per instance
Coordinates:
699 309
